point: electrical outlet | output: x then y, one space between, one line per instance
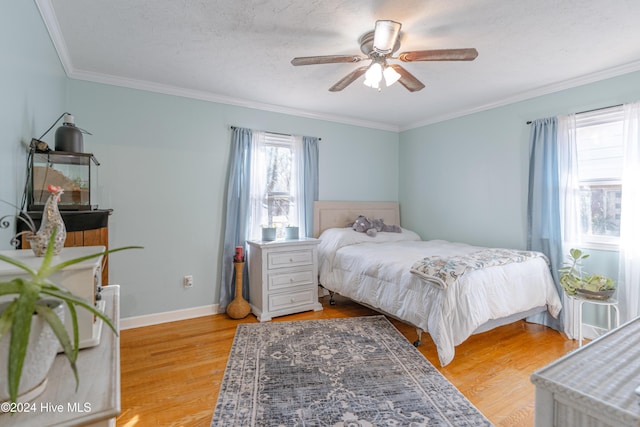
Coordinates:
187 281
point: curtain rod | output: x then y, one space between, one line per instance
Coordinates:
268 131
590 111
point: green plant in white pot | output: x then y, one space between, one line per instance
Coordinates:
576 282
33 297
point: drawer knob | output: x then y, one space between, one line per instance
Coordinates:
291 279
290 259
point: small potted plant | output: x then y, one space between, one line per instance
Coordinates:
575 282
291 232
269 233
33 297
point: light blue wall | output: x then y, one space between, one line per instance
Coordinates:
466 179
32 96
163 171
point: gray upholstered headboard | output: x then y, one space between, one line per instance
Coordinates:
336 214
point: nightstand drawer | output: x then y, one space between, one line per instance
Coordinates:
286 280
289 259
292 299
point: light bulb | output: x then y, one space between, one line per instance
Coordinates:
391 76
373 75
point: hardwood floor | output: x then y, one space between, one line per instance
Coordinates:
171 373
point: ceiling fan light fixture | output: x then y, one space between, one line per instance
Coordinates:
372 84
385 36
373 76
390 76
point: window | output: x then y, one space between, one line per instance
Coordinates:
600 159
279 202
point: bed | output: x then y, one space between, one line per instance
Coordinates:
376 272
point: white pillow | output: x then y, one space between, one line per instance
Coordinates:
332 239
348 236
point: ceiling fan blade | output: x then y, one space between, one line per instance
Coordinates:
439 55
328 59
407 79
348 79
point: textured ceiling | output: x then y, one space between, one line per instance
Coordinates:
239 51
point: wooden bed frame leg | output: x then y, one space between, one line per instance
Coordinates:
417 342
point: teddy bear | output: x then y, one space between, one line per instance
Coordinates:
371 226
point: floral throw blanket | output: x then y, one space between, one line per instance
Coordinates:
442 272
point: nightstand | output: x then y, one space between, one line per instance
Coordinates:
283 277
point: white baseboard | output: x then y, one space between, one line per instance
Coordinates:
168 316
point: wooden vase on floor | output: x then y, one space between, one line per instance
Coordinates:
239 308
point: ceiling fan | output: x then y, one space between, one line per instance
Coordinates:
379 46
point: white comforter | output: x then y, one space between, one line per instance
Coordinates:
376 272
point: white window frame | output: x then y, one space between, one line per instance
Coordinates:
608 115
287 141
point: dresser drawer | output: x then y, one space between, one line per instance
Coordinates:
292 299
289 259
288 279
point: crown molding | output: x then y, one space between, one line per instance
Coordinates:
211 97
523 96
51 22
53 27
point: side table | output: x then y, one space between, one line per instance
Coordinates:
578 301
283 277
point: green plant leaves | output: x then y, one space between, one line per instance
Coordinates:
572 278
20 331
18 315
6 318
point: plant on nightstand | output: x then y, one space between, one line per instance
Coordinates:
576 282
34 298
269 233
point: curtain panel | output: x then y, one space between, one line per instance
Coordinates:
237 224
544 233
629 268
310 186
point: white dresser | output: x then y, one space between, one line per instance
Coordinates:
96 402
283 277
82 279
593 386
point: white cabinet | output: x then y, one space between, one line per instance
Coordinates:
96 401
283 277
593 386
82 279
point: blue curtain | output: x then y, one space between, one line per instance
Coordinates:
310 185
543 210
237 226
238 214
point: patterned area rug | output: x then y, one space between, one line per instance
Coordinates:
338 372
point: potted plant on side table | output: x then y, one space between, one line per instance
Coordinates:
33 299
575 282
